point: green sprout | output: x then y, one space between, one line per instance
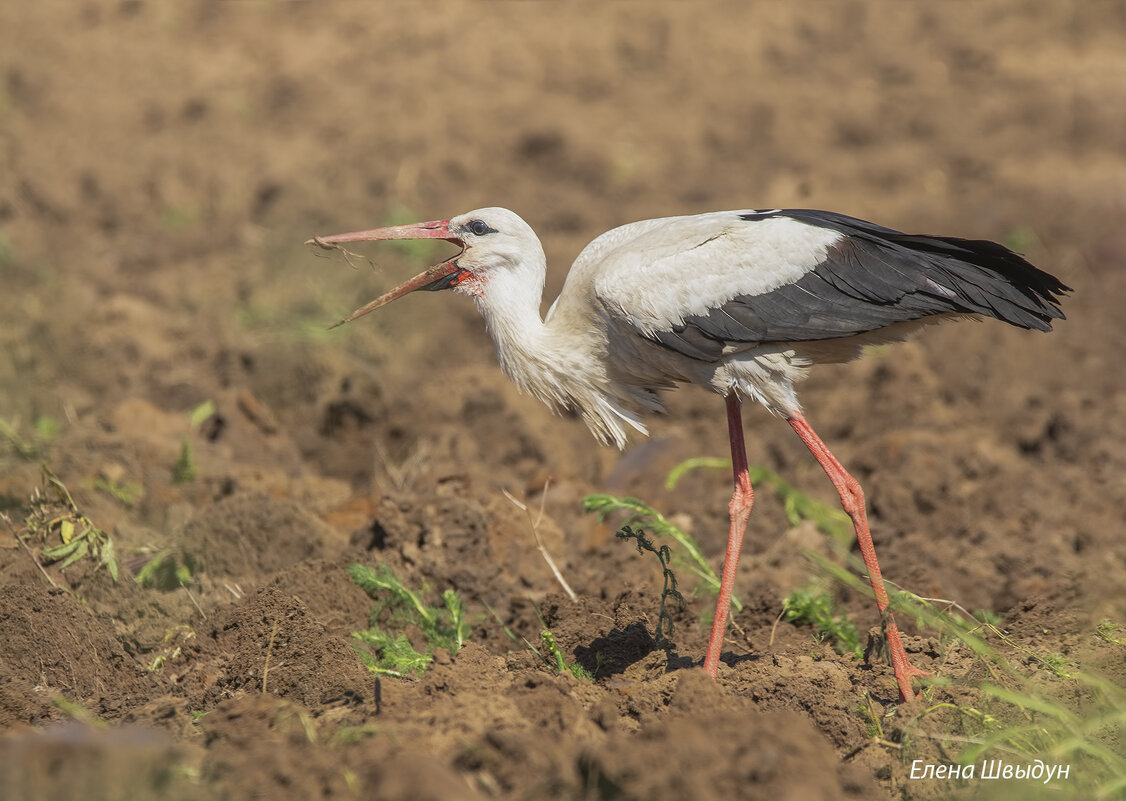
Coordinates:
554 657
29 447
186 470
558 659
127 493
391 653
811 607
165 572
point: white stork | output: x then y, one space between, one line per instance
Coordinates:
740 302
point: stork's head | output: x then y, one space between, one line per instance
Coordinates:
494 242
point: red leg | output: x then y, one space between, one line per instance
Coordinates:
742 499
852 499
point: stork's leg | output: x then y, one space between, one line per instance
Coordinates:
740 508
852 499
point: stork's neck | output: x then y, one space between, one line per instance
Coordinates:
510 303
562 361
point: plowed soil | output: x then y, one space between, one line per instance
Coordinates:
161 165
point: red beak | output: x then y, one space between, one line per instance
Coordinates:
442 276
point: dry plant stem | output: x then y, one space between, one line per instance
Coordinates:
191 598
742 633
396 474
539 542
405 472
869 742
774 628
269 650
11 528
348 255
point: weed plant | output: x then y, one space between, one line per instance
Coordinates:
637 514
813 607
669 590
552 655
65 533
388 651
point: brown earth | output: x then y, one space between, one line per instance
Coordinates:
162 164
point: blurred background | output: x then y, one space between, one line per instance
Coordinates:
184 151
163 163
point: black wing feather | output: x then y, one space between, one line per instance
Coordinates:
874 277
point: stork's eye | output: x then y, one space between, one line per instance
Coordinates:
480 228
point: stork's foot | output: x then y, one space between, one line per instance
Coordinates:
904 670
903 677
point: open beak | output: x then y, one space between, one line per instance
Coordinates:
441 276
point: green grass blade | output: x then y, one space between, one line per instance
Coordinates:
639 514
710 462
